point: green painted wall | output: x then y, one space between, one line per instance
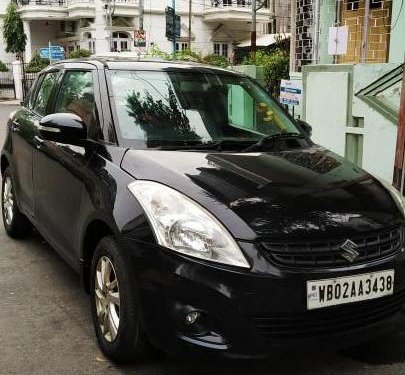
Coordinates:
327 19
397 44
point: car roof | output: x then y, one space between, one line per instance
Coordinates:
131 62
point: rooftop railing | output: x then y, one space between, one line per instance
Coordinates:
232 4
42 2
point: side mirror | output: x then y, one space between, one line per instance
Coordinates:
305 127
64 128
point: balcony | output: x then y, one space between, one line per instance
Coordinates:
126 8
56 9
233 11
81 9
43 9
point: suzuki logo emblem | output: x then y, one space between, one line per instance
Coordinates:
350 252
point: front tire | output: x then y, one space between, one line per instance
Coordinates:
15 223
114 304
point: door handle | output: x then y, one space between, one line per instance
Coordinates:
38 142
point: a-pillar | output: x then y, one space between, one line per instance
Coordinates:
399 172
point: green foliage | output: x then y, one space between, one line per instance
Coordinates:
156 52
80 54
189 55
276 67
36 64
216 60
13 31
3 67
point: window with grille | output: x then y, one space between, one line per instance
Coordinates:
221 49
376 4
181 47
352 4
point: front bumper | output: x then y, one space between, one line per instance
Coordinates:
250 313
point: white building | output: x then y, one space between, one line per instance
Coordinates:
217 25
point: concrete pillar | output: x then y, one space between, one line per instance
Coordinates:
101 32
397 45
28 47
18 79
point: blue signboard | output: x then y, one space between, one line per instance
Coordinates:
52 53
290 92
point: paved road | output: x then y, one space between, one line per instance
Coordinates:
45 327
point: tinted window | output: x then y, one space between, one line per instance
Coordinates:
76 95
157 108
44 92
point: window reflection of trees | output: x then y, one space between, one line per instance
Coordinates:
157 118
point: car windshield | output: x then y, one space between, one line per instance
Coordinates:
157 109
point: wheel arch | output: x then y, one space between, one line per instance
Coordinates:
95 231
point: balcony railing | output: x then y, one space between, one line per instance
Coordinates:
60 3
71 2
232 4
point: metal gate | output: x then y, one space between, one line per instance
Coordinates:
27 80
7 87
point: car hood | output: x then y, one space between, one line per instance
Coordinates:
292 194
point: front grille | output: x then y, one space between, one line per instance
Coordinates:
327 321
316 254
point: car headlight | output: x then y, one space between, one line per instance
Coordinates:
182 225
395 194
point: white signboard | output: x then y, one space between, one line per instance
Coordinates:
290 92
338 37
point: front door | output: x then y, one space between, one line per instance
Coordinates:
23 132
59 168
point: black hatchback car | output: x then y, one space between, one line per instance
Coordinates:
199 214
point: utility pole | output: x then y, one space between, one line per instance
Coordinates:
109 10
141 11
253 33
190 8
174 28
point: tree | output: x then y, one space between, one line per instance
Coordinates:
37 64
13 31
3 67
276 67
80 53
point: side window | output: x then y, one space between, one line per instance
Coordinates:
76 96
43 94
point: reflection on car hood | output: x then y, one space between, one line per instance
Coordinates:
292 194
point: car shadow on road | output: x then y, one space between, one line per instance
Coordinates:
386 351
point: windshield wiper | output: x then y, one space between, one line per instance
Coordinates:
270 138
214 145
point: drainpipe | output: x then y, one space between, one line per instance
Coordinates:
365 33
399 175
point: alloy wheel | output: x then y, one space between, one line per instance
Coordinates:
8 201
107 297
